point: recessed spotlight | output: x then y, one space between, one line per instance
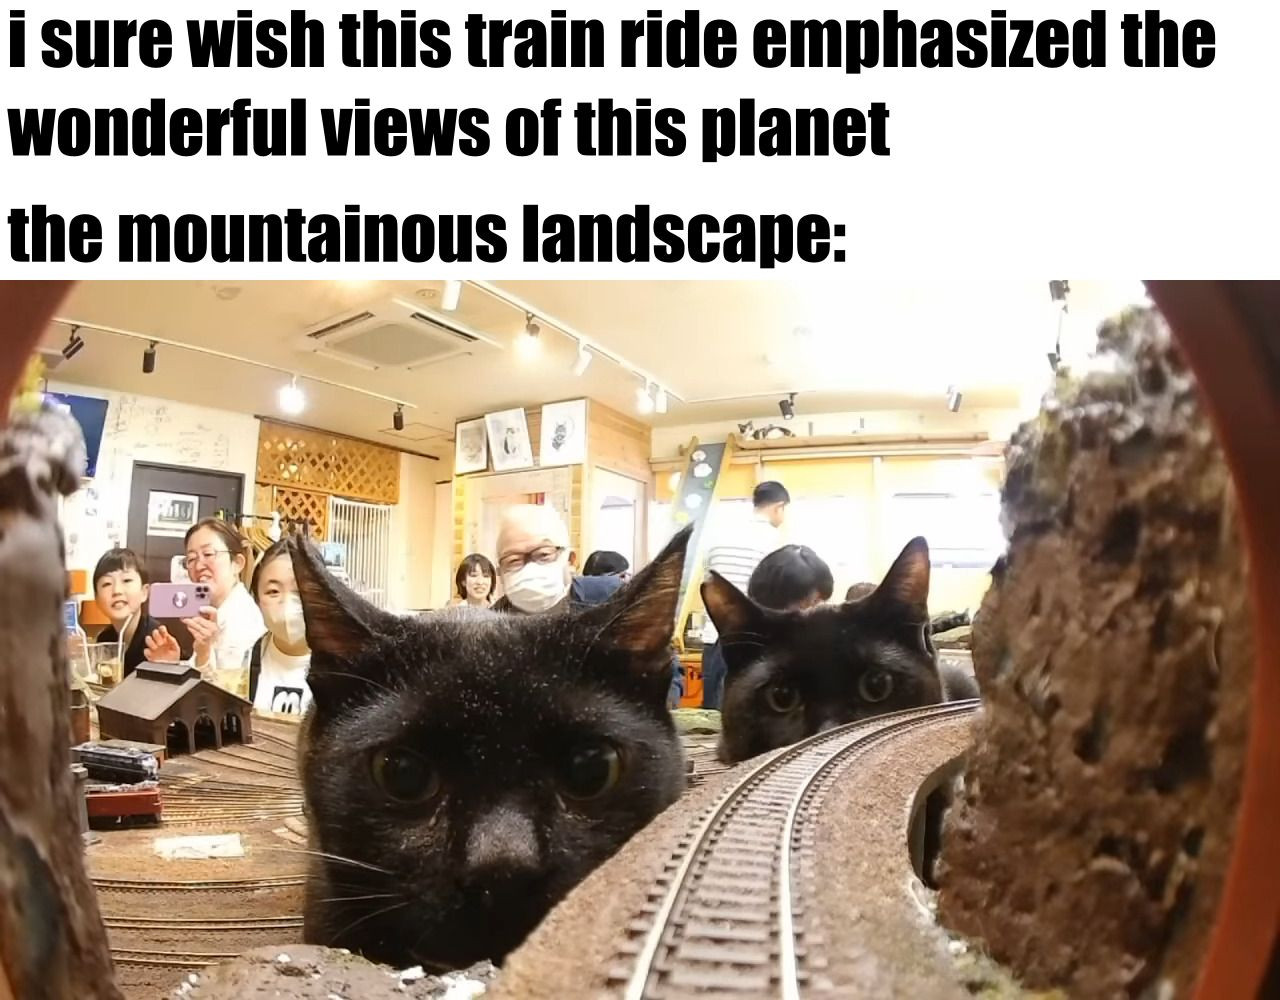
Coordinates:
226 292
292 399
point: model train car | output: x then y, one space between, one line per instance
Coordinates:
121 765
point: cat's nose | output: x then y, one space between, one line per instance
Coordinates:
503 841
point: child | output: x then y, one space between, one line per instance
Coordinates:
120 589
279 660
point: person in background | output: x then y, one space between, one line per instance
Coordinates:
278 661
533 547
606 562
858 591
792 578
735 558
231 623
475 580
120 589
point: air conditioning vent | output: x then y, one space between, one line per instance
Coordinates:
392 334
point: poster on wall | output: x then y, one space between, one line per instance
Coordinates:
509 440
470 451
564 433
169 515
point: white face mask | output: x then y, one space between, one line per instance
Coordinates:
535 587
286 620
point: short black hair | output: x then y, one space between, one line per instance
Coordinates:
116 560
467 565
274 552
605 562
789 576
770 493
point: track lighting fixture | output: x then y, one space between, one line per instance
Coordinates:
1058 292
397 418
644 402
527 343
583 359
787 407
450 296
954 398
660 399
292 399
74 344
149 359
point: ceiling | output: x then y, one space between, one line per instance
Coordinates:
723 350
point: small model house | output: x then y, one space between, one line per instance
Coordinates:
171 704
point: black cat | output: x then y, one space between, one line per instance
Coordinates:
791 674
465 769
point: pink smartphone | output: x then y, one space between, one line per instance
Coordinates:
178 600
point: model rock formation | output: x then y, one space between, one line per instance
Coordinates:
1113 650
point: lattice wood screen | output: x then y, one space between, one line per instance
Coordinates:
300 504
307 460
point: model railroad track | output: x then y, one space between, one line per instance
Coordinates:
168 959
231 884
130 923
726 915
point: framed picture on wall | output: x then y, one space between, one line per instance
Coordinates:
470 450
509 440
564 433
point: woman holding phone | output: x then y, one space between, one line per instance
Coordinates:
231 623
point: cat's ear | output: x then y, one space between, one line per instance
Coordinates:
339 622
905 588
640 617
730 609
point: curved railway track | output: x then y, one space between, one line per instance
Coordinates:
168 959
729 894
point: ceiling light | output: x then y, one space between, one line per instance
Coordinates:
74 344
527 343
787 407
397 419
149 359
660 400
1058 292
644 402
292 399
449 297
583 359
954 398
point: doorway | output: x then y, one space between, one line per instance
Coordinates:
205 733
165 500
618 516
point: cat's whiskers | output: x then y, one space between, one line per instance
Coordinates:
334 939
352 899
358 677
331 857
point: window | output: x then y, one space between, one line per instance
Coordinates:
963 530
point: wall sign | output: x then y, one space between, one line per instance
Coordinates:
169 515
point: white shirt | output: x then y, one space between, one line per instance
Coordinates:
736 556
282 681
240 625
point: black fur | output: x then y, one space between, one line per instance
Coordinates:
795 673
495 706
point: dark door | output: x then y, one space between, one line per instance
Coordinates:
164 501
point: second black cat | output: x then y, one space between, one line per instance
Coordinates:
795 673
464 770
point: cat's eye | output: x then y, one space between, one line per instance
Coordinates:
405 776
782 698
591 771
875 685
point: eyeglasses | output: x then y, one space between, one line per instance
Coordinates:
543 554
207 556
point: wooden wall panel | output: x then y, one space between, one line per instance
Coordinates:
618 442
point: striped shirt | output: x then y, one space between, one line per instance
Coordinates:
736 556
